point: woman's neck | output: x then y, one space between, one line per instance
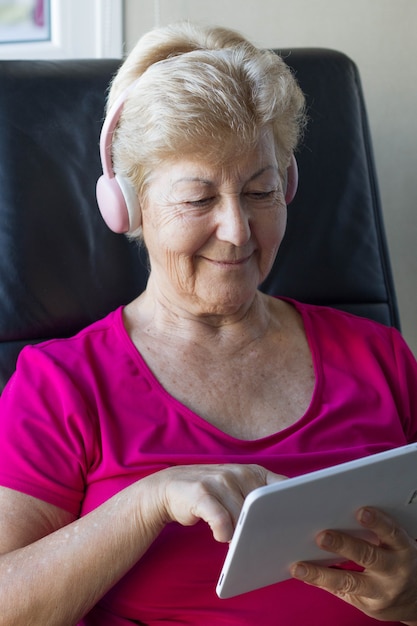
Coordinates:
157 316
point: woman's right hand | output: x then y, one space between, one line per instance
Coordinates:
213 493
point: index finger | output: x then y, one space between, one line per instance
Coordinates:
220 507
389 533
221 519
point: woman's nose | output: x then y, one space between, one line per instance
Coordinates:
233 224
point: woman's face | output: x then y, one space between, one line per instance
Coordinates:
212 231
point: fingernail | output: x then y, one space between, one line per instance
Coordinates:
366 516
300 571
326 540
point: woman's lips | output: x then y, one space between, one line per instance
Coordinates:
229 262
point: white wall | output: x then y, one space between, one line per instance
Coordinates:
379 35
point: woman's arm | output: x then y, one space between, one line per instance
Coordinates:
55 568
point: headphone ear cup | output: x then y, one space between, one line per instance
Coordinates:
116 197
131 203
292 180
112 204
118 204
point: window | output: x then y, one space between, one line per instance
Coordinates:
56 29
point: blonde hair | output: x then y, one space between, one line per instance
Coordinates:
202 91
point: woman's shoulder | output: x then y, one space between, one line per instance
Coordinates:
97 333
334 329
326 325
336 316
97 347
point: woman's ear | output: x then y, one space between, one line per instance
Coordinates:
292 180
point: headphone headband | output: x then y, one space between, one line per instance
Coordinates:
116 198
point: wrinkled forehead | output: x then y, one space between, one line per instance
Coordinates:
240 166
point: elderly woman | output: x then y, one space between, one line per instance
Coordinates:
128 449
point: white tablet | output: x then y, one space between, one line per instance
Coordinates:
278 523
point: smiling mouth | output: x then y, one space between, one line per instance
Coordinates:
229 262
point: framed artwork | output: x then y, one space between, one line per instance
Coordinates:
56 29
23 21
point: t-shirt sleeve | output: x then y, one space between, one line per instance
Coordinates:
46 432
406 366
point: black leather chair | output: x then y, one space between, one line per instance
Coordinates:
60 267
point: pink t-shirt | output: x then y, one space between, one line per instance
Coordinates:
84 417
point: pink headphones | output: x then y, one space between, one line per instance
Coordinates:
116 197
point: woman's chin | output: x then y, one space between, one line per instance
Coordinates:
226 304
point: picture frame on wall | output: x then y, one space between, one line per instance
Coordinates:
57 29
24 21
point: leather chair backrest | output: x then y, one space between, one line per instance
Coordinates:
335 251
61 268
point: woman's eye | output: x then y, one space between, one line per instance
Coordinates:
261 195
201 202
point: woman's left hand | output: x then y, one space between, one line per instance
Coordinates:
387 587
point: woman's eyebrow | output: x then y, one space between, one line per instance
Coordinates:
192 179
206 181
262 170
